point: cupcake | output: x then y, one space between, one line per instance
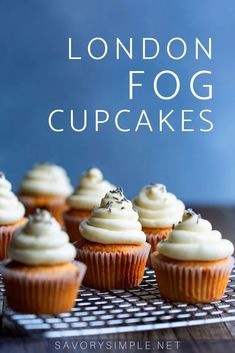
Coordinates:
113 245
92 187
11 215
158 211
46 186
40 277
194 263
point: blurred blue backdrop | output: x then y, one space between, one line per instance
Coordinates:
37 77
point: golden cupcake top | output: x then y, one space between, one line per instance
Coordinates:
158 208
114 222
41 242
46 179
91 188
11 209
193 239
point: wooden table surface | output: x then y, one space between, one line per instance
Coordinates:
217 338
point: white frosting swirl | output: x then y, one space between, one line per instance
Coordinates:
158 208
114 222
194 239
41 242
92 187
46 179
11 209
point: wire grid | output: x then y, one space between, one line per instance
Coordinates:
137 309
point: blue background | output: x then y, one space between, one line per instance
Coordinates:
36 77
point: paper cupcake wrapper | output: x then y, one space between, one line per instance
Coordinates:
114 270
72 227
192 284
56 207
39 294
6 234
153 240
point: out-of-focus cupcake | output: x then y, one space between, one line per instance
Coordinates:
11 215
46 186
194 263
91 188
158 211
41 278
114 247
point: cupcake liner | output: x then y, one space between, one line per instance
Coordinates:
114 270
153 239
55 206
194 282
44 292
6 234
72 227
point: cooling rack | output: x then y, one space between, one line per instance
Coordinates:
137 309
